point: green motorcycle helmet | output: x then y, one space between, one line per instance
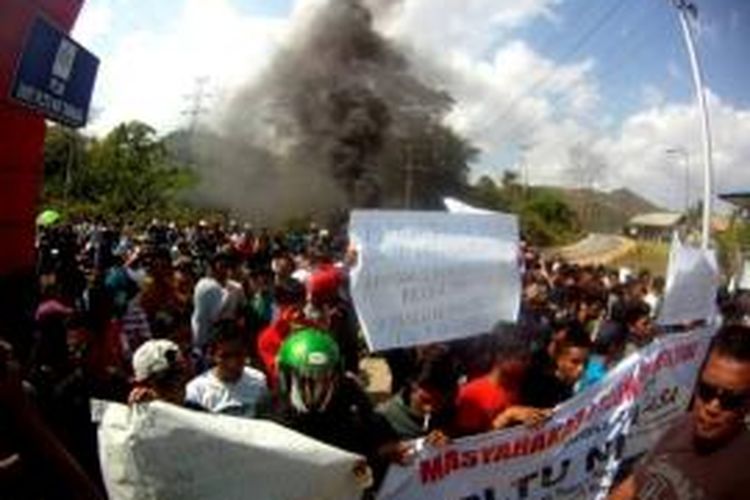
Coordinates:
309 364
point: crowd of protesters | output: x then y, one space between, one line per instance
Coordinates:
251 323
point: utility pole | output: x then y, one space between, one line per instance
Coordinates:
687 11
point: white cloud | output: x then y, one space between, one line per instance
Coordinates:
496 103
95 20
149 74
506 93
499 107
469 26
638 152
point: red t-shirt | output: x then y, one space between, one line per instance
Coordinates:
478 403
273 336
269 343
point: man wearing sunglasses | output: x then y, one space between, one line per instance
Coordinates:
705 455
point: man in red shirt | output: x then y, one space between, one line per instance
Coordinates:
492 401
289 298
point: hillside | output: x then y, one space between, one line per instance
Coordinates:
604 212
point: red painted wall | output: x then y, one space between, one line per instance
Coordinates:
22 133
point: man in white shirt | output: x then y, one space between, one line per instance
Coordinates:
230 387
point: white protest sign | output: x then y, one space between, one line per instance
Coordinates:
163 452
744 281
578 452
424 277
455 206
692 283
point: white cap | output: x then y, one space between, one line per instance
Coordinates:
154 357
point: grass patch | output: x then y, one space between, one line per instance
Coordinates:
646 255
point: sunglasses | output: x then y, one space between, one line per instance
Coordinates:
729 400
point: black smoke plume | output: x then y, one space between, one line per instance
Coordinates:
335 122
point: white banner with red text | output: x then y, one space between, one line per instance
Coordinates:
577 453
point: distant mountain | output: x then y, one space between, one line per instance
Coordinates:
601 211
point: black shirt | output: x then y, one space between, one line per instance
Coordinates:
349 422
541 388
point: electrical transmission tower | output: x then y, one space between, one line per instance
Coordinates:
197 103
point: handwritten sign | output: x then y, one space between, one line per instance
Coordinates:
425 277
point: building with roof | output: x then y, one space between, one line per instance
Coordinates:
655 226
739 199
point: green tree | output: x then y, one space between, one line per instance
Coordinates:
64 157
128 172
545 219
733 245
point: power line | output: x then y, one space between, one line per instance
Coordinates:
588 35
620 56
618 62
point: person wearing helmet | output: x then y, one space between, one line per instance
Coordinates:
318 399
309 365
327 305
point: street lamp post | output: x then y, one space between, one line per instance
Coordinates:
687 8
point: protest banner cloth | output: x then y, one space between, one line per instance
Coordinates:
159 451
692 282
424 277
576 454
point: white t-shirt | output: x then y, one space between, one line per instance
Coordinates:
239 399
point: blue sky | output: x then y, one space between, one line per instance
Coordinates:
610 74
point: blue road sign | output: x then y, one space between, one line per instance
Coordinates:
55 75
